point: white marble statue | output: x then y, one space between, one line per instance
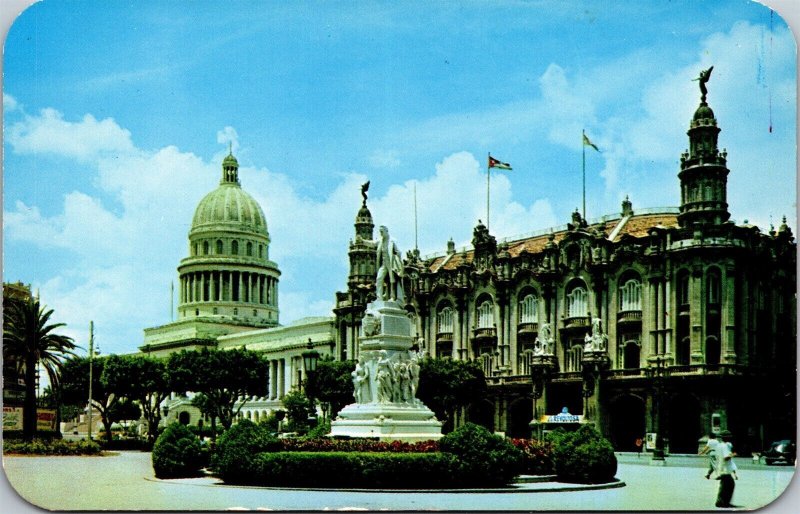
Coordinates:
597 341
544 341
385 378
390 269
413 368
361 383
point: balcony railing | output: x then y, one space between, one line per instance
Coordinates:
629 316
576 321
443 337
528 328
484 333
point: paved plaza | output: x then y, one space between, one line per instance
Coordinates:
125 481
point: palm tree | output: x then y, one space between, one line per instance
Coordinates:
28 340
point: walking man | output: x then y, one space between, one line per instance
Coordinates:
725 469
711 449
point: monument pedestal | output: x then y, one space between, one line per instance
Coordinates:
385 382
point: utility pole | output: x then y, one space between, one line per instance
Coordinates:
91 366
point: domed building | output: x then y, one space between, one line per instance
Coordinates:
228 274
228 298
227 284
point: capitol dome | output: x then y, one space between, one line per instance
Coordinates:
229 204
228 275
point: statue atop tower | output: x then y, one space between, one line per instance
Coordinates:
703 78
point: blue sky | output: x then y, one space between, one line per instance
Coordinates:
117 115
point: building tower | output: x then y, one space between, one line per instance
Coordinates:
351 304
228 275
704 172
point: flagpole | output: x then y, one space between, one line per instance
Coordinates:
416 239
583 169
487 189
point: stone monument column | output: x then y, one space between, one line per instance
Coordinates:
387 372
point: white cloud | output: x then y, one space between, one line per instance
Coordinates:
83 140
10 103
227 136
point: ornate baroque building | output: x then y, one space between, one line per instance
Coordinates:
675 321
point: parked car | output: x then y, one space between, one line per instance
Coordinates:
784 450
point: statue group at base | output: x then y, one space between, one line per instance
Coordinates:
386 376
597 341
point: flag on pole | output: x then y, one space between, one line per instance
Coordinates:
586 142
494 163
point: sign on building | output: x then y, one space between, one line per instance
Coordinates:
12 418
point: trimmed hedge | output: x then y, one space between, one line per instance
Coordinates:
234 457
177 453
485 459
53 447
357 470
583 456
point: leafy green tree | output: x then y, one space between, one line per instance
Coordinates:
298 409
29 339
446 385
226 378
332 382
141 379
75 388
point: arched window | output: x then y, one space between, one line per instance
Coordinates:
444 320
529 309
260 251
574 357
712 286
577 302
485 315
195 249
249 249
630 295
219 247
235 247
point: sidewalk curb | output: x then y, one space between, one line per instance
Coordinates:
525 487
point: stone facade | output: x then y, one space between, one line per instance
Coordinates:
695 315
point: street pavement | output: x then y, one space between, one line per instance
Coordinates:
125 481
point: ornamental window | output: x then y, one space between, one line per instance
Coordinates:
577 303
219 247
444 320
205 248
529 309
485 315
630 296
235 247
249 249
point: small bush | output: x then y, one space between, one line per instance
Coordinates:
238 446
52 447
177 453
583 456
537 456
356 470
322 429
485 458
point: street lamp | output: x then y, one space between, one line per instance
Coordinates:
657 375
310 359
